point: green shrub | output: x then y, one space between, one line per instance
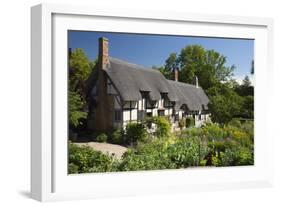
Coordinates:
84 159
117 136
237 156
101 137
73 169
214 132
235 123
135 132
147 157
190 122
188 152
192 132
232 154
216 161
248 127
163 127
182 123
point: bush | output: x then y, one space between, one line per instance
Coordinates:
211 145
237 156
135 132
192 132
182 123
101 137
73 169
214 132
190 122
117 136
163 127
185 153
146 157
84 159
235 123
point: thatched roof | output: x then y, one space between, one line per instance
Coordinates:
131 79
194 98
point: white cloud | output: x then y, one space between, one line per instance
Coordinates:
239 79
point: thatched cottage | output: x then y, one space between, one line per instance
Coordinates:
120 92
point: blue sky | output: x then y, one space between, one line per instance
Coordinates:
149 50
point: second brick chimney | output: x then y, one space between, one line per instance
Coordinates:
176 74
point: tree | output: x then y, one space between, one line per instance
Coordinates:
208 65
75 109
224 104
191 60
248 107
79 71
170 65
246 88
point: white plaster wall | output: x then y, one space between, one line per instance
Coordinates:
134 114
126 115
155 112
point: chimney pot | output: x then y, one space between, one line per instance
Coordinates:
195 81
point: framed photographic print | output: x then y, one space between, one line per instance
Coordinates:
137 102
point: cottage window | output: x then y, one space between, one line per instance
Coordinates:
161 112
141 114
117 115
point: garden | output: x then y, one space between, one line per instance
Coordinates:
213 145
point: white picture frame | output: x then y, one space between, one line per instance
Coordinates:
49 179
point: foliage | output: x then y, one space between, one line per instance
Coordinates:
237 156
79 70
163 127
187 152
101 137
224 104
117 136
150 156
73 169
83 159
208 65
213 132
190 122
228 99
75 106
182 123
135 132
235 123
211 145
248 107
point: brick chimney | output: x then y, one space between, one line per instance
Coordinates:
176 74
103 53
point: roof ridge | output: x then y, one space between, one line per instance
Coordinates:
183 83
135 66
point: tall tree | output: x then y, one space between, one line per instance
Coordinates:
170 65
208 65
191 60
79 71
225 104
